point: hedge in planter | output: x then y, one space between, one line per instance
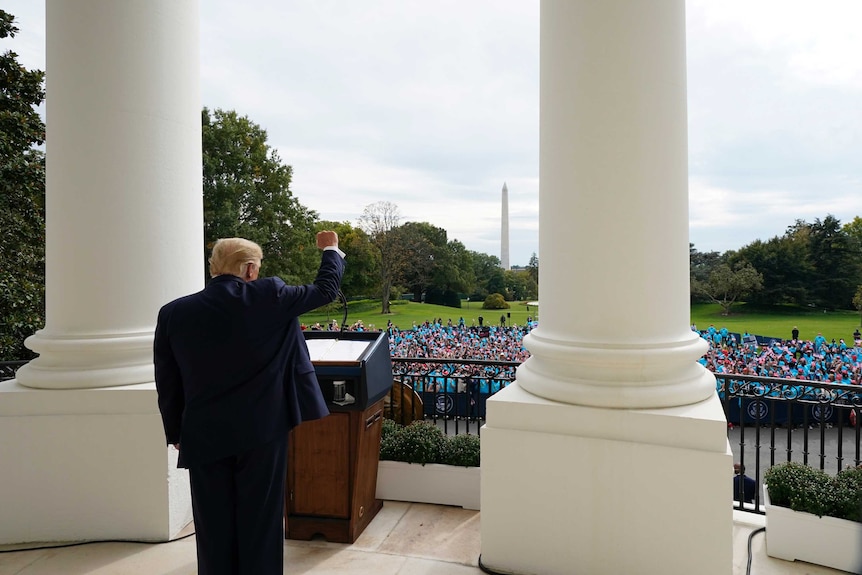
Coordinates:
813 517
803 488
422 443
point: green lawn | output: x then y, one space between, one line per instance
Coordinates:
405 313
774 322
779 321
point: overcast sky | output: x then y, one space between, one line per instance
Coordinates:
434 105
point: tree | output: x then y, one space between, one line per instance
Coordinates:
22 201
785 265
700 265
726 285
836 263
378 220
857 302
519 285
247 194
853 230
489 275
533 268
359 275
458 273
424 248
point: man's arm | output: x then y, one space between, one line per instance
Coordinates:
169 385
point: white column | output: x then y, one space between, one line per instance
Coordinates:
613 223
124 236
124 209
609 452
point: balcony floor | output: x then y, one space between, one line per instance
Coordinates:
404 538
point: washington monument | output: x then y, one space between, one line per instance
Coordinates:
504 230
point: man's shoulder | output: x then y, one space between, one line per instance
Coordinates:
266 283
179 302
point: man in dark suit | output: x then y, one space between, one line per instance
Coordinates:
233 376
744 486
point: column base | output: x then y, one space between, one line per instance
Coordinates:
633 376
82 465
87 361
574 489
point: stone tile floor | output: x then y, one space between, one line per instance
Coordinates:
404 539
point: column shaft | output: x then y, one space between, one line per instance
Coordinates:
613 223
124 208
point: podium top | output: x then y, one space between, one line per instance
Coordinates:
338 351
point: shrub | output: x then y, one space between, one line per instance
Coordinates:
847 494
495 301
418 442
390 426
422 442
804 488
461 450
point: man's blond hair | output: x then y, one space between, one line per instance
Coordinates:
231 255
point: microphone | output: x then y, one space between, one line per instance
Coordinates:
344 319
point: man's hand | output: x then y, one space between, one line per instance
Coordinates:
326 239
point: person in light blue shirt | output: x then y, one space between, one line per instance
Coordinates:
819 341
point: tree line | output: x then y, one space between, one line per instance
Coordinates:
813 264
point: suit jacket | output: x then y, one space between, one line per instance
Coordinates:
745 487
231 364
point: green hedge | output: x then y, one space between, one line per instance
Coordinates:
422 443
804 488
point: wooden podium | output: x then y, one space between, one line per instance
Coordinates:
332 462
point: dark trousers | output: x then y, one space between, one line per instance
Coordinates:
238 508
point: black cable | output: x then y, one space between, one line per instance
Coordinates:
486 570
750 537
747 569
79 543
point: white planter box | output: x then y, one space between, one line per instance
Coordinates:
793 535
430 483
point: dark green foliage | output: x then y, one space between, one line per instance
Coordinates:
390 427
816 264
433 296
533 269
247 194
448 298
422 442
488 276
451 299
519 285
847 494
461 450
495 301
418 442
22 201
804 488
726 284
359 281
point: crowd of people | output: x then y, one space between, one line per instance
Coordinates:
812 360
456 340
451 339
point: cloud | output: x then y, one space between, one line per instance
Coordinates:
434 105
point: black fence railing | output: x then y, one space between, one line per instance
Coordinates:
449 392
770 420
773 420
